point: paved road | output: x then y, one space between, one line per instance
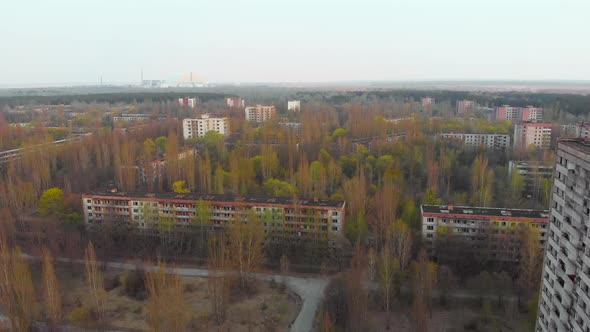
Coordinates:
310 290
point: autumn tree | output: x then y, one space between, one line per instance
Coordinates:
531 260
482 182
51 290
179 187
425 278
167 306
17 293
95 282
388 270
246 245
218 282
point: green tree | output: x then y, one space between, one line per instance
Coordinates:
52 203
161 143
278 188
430 198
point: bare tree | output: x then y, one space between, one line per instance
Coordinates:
246 245
388 269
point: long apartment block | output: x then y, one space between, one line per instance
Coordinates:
482 230
296 217
564 303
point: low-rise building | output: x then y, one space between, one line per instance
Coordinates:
294 105
536 134
131 117
532 173
489 233
283 217
260 113
488 141
192 128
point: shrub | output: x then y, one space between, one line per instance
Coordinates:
83 317
133 283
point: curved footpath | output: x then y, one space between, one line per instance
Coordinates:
310 290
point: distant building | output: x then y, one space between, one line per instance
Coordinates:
152 83
579 130
290 125
466 105
537 134
294 105
187 102
488 141
427 101
507 112
260 113
528 113
532 172
131 117
531 113
192 128
450 232
235 102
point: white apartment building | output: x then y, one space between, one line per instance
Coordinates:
235 102
488 141
192 128
294 105
537 134
260 113
564 302
187 102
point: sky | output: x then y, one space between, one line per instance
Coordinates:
78 41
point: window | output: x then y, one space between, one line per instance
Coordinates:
430 220
89 201
430 228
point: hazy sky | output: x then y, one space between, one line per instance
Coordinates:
66 41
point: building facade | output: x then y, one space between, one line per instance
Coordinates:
466 105
187 102
260 113
427 101
131 117
579 130
488 141
294 105
564 302
537 134
484 231
192 128
297 218
235 102
528 113
532 173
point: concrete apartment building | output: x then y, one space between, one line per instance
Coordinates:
528 113
427 101
192 128
579 130
537 134
564 303
260 113
297 217
187 102
532 172
131 117
466 105
235 102
489 231
488 141
294 105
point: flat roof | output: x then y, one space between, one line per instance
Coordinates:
221 198
485 211
576 143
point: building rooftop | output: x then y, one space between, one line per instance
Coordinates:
485 211
222 198
576 143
